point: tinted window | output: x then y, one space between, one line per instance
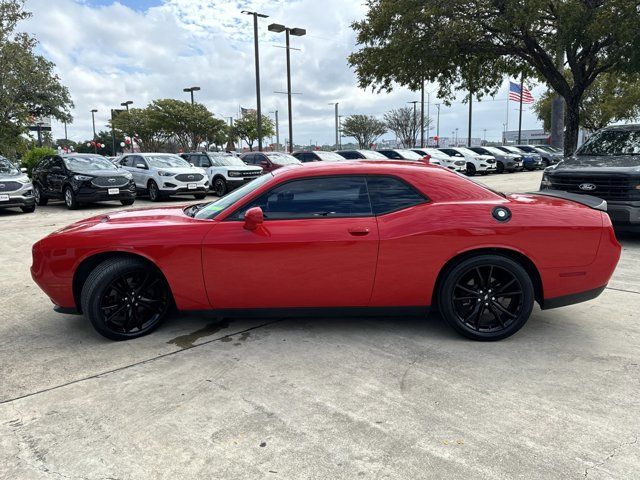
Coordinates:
391 154
612 142
350 155
451 152
314 198
389 194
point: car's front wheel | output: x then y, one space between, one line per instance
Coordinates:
125 298
41 200
29 209
487 297
471 169
219 186
154 192
70 199
200 196
499 167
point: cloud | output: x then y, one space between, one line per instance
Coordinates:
108 52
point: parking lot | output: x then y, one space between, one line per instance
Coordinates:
337 398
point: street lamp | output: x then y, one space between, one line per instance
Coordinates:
93 121
298 32
126 105
337 128
191 90
255 45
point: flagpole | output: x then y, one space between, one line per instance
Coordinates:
504 138
520 121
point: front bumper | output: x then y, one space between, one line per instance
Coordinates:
624 213
171 186
19 198
90 194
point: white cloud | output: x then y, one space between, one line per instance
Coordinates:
111 53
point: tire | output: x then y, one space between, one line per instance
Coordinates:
30 209
480 278
219 186
137 297
499 167
154 191
41 200
70 199
127 202
471 169
200 196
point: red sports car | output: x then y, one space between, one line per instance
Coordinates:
342 237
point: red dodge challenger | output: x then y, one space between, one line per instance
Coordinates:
339 237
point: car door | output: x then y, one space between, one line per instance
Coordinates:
139 170
56 176
317 247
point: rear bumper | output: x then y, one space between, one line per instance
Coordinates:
572 298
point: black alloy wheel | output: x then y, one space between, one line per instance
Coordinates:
41 200
471 169
125 298
488 297
154 191
499 167
219 186
70 199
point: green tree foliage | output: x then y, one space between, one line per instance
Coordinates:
364 128
33 156
103 138
138 122
246 128
611 98
473 44
28 85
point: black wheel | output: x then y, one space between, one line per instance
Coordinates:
471 169
499 167
200 196
41 200
154 191
70 199
125 298
30 209
219 186
127 202
488 297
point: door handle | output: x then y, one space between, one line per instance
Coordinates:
359 231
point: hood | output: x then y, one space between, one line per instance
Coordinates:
626 164
179 170
102 173
12 177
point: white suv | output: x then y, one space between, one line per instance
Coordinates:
438 157
476 163
165 174
225 170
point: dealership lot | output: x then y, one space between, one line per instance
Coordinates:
315 398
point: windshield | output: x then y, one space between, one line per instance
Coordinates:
370 154
79 163
612 142
213 209
409 155
282 158
436 153
6 167
466 151
226 160
328 156
166 161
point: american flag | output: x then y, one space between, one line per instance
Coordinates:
514 93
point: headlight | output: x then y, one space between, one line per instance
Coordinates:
234 174
545 183
23 179
127 175
165 174
82 178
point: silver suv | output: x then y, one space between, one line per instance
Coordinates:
165 174
16 189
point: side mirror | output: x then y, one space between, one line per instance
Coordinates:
253 218
23 170
264 163
141 165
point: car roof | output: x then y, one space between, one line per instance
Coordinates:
630 127
354 167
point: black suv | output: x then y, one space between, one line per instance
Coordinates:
81 178
606 166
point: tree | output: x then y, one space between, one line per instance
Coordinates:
246 128
103 137
364 128
405 124
137 122
473 44
33 156
28 85
611 98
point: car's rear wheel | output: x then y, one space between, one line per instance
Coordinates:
125 298
154 191
471 169
70 199
219 186
41 200
487 297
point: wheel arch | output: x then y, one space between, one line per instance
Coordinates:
515 255
88 264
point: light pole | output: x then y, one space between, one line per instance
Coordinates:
126 105
277 131
456 136
415 126
93 121
255 16
298 32
191 90
340 132
438 126
337 128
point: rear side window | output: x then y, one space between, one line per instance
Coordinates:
326 197
389 194
350 155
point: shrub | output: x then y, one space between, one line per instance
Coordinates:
33 156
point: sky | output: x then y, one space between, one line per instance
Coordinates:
109 51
